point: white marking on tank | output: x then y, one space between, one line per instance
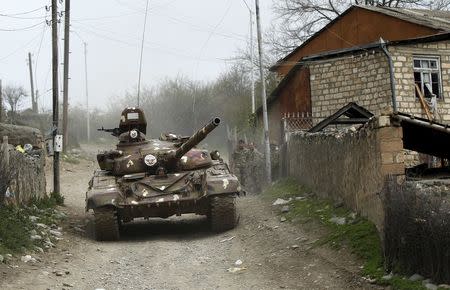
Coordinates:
113 200
162 187
160 200
184 159
144 192
177 174
134 202
176 197
130 163
111 189
225 183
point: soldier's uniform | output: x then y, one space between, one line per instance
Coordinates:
240 159
255 168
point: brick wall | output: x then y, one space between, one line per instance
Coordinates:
349 167
404 76
363 79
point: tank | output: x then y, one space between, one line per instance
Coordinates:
146 178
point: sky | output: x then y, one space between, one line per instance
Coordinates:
195 38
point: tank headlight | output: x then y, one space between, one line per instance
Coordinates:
134 134
150 160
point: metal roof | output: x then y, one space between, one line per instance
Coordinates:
439 20
436 19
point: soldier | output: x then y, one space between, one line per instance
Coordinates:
240 156
255 166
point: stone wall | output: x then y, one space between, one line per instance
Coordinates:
22 175
363 79
404 77
349 165
28 181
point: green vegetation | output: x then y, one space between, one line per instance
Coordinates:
357 233
70 159
17 223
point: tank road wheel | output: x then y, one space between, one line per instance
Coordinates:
106 225
223 215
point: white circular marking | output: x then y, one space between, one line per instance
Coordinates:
150 160
133 134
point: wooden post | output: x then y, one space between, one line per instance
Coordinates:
423 103
66 76
55 93
5 151
33 99
1 102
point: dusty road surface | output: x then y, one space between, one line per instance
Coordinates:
181 253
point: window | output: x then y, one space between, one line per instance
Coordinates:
427 76
133 116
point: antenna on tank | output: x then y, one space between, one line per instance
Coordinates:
140 60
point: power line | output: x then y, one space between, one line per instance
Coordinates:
23 13
19 48
18 17
22 28
164 50
38 53
105 17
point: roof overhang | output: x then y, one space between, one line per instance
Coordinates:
424 136
350 114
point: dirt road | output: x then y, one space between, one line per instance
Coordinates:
181 253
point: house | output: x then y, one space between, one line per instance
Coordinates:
349 61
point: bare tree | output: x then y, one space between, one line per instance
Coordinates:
299 19
14 96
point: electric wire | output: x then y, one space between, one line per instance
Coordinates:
22 28
19 48
23 13
211 34
162 49
18 17
38 53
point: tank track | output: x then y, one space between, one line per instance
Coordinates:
106 225
223 215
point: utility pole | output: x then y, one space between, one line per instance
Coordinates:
1 102
33 99
252 72
263 98
37 100
66 75
88 126
55 92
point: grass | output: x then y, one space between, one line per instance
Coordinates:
16 225
68 158
358 234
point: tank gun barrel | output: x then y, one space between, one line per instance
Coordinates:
197 137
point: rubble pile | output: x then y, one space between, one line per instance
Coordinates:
43 230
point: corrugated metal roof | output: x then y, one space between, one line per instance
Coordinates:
436 19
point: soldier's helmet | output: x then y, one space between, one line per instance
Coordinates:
132 118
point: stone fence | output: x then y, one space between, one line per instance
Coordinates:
349 165
22 175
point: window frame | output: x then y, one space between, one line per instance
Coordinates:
437 58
